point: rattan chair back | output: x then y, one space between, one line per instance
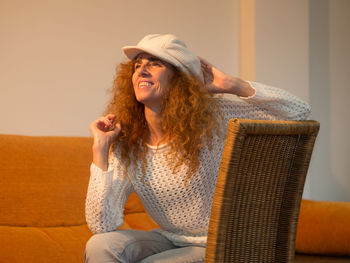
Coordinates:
259 189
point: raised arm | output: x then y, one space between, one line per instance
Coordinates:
107 194
256 100
108 188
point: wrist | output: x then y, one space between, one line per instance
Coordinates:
100 154
100 145
247 89
242 88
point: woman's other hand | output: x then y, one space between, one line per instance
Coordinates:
216 81
104 133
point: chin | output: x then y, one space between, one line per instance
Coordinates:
141 100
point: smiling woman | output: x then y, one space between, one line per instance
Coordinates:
162 137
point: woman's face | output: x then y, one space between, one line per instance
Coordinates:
151 80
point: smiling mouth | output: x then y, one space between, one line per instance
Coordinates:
144 84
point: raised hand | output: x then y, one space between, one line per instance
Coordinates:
104 133
103 128
216 81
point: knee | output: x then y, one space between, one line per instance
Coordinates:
97 249
92 246
108 247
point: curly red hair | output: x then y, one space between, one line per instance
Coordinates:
188 119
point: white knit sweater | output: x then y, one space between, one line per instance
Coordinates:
181 212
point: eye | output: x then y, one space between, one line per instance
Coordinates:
156 63
137 65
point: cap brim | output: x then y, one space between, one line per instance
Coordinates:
132 52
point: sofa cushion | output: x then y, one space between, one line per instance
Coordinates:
44 180
133 205
140 221
303 258
43 244
324 228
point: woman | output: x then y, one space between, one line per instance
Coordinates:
162 137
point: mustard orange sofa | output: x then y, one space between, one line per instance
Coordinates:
43 183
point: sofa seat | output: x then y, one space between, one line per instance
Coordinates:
304 258
43 244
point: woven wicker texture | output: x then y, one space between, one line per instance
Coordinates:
258 193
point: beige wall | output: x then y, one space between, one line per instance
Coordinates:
339 77
57 60
282 45
302 46
329 72
58 56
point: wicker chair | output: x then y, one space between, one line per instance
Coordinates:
257 198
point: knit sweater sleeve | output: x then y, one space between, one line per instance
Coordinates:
268 103
107 194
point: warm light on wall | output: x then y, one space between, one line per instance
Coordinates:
247 39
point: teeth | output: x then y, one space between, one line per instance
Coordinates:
145 84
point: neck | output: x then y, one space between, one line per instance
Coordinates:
154 123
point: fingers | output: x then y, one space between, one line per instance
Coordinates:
205 64
108 120
203 60
118 126
110 117
104 124
207 69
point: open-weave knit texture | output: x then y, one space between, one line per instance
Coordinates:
182 212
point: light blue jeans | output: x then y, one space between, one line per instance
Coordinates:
136 246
